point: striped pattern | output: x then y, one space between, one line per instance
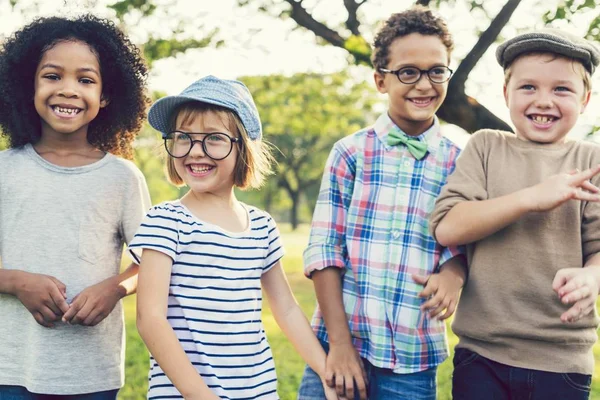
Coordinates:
371 219
215 299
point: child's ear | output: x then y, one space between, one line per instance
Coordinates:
505 92
380 82
103 101
586 100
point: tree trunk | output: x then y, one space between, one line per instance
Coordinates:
295 197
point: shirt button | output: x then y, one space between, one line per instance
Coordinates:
396 234
407 163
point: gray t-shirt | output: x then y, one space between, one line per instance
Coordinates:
69 223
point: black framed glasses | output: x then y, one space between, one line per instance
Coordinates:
410 75
216 145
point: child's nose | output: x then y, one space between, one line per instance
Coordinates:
543 101
423 82
197 150
68 91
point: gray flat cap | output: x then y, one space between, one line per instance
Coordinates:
551 41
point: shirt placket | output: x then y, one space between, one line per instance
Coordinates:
398 226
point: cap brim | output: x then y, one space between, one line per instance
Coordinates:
161 111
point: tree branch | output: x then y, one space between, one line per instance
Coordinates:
485 40
306 20
352 23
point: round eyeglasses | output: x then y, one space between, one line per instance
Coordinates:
216 146
410 75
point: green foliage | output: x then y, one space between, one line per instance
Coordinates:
122 8
150 159
359 48
303 116
156 49
567 9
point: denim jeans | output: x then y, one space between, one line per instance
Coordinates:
384 384
20 393
476 377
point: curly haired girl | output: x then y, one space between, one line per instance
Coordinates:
72 96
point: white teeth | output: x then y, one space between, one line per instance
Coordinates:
420 101
199 170
68 111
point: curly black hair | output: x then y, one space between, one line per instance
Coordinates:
418 19
122 67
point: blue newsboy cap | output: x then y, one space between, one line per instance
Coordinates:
230 94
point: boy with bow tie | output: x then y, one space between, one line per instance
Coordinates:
379 275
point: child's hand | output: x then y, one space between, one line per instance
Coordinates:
579 286
330 393
344 368
93 304
560 188
43 296
442 290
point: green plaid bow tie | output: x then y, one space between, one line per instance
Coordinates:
415 147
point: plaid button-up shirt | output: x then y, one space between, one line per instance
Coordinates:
371 219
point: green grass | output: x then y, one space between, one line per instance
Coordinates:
288 363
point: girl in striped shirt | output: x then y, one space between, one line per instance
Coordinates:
204 258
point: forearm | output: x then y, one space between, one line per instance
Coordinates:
296 328
469 221
126 282
328 287
168 353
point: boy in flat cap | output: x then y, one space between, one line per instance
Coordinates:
530 216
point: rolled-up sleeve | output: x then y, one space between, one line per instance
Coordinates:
326 246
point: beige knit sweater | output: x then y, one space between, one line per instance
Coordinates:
508 311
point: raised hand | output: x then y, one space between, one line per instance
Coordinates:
44 297
93 304
344 369
561 188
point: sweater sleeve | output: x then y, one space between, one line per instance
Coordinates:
468 182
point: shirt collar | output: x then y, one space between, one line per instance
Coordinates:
384 125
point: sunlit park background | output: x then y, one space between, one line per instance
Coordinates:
307 64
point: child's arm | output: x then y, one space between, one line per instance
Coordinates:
294 324
325 261
344 365
44 296
96 302
152 324
470 221
442 289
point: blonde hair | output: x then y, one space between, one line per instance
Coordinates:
254 158
577 67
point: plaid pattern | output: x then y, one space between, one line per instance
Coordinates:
371 219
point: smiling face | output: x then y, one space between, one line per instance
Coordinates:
412 106
68 89
545 95
199 172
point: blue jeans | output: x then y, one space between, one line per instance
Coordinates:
384 384
476 377
20 393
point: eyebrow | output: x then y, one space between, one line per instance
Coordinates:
54 66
